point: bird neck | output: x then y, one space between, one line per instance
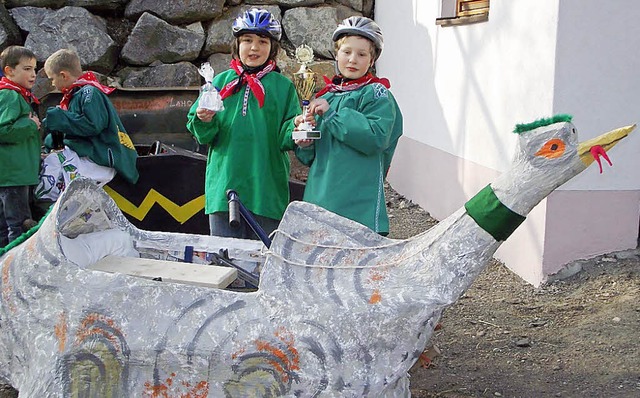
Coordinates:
522 187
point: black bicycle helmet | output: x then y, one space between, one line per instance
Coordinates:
361 26
257 21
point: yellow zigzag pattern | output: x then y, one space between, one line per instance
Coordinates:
181 214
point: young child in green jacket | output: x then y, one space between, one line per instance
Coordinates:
249 139
360 123
19 140
96 144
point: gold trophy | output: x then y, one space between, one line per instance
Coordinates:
305 82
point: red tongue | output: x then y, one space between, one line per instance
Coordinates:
596 152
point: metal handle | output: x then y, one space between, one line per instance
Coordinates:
232 196
234 209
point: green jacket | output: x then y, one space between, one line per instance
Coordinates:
249 153
349 163
92 128
19 141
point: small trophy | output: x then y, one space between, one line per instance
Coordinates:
210 97
305 82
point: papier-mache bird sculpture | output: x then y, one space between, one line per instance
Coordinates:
340 311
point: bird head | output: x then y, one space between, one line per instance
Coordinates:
548 155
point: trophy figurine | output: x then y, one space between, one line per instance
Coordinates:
305 82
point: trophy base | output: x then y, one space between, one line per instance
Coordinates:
306 135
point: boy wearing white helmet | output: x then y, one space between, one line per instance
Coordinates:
248 140
360 123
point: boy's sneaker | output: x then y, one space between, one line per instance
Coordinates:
28 224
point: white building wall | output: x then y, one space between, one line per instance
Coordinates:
598 81
462 89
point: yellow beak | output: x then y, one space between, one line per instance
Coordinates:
606 141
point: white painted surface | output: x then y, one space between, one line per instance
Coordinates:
597 81
462 89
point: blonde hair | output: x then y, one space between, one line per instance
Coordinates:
64 59
373 49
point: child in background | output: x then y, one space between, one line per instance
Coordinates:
19 140
96 144
248 140
360 124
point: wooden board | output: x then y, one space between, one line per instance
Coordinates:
169 271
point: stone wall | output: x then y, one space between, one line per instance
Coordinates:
160 43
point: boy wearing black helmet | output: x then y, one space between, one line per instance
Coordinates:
248 140
360 123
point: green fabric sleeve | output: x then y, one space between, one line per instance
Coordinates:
15 124
293 109
92 121
203 132
306 155
365 126
493 216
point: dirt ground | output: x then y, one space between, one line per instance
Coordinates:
576 337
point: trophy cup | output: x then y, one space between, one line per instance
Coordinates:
305 82
209 97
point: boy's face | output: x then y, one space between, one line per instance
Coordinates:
253 49
23 74
355 57
60 80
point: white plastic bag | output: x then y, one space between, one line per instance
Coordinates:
209 96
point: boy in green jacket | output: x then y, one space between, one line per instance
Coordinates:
249 139
360 123
19 140
96 144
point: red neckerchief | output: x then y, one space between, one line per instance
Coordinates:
252 80
87 78
26 94
336 84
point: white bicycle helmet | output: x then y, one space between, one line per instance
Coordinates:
257 21
361 26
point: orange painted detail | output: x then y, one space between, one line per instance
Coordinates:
375 297
554 148
376 277
200 390
60 330
236 354
155 391
291 358
86 330
156 104
7 288
30 245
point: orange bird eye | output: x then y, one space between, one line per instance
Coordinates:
552 149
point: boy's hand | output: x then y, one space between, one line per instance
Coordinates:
303 143
35 120
205 114
304 118
318 106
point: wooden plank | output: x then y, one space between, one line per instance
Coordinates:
169 271
472 7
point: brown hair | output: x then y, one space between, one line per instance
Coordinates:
67 60
12 55
275 47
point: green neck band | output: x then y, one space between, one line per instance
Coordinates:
491 215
